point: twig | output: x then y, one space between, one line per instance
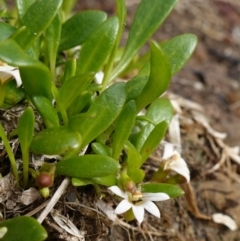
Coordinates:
36 210
219 164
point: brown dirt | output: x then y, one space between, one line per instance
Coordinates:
210 78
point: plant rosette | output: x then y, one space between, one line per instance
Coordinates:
84 103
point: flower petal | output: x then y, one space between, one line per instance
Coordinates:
116 190
168 150
138 211
177 164
99 77
160 196
7 71
183 171
181 168
123 206
151 208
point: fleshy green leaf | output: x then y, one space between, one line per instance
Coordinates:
159 79
13 94
178 50
76 30
160 110
25 135
6 30
172 190
153 140
104 137
121 14
56 141
9 151
101 149
87 166
108 181
134 162
46 110
69 69
79 103
97 47
134 159
136 175
36 19
2 92
23 228
36 77
101 114
77 182
123 128
73 87
52 38
22 7
149 16
135 87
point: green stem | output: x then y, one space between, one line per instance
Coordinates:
9 152
59 104
67 6
25 159
2 92
160 175
121 12
109 66
52 62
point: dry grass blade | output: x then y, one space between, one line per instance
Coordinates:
192 202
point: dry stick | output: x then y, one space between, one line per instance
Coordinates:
36 210
54 199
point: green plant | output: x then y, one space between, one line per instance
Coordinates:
105 118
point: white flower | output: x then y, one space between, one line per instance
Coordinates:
99 77
7 72
174 161
3 231
138 202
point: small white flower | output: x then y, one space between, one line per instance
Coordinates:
138 202
174 161
7 72
3 231
99 77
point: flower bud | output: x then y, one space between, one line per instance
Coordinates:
45 192
129 186
44 180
